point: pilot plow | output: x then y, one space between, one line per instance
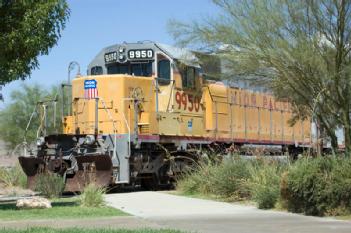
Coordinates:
77 171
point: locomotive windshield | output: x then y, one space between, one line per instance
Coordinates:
137 69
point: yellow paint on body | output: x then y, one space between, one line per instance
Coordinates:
210 110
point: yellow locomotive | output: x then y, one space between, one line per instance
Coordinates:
144 112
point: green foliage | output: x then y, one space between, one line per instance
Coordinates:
313 186
49 185
14 118
229 180
264 183
225 180
198 181
236 179
320 186
92 196
28 29
291 47
87 230
13 176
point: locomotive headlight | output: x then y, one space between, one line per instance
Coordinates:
121 49
89 139
122 58
40 141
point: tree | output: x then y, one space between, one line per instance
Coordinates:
299 49
28 29
28 104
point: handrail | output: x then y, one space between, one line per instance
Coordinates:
126 122
157 89
170 99
113 125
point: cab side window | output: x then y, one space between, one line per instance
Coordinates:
189 77
96 70
164 71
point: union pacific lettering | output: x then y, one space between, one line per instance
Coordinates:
247 99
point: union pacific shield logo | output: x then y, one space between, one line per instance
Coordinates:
90 89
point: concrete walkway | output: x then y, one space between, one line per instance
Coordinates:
199 215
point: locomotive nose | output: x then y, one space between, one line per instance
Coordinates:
95 169
30 166
91 169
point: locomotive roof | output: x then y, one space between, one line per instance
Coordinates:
180 54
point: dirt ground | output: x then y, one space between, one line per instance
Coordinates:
7 161
6 191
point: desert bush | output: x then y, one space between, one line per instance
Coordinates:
226 180
198 181
264 183
339 191
307 180
49 185
92 196
319 186
229 179
13 176
313 186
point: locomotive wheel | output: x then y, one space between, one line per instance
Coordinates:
150 184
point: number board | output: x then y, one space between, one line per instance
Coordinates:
138 54
110 57
188 102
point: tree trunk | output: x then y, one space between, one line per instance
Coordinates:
347 133
333 138
329 130
334 143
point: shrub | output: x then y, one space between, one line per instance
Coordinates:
49 185
284 190
13 176
229 179
313 186
306 186
92 196
226 180
319 186
197 182
264 184
340 188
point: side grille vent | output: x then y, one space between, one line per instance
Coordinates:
144 128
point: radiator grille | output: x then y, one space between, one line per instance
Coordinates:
144 128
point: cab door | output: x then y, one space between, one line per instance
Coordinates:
188 102
168 119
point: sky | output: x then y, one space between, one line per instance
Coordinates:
95 24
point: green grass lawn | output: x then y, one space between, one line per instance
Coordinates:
83 230
61 208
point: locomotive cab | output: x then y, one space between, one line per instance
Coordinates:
163 80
